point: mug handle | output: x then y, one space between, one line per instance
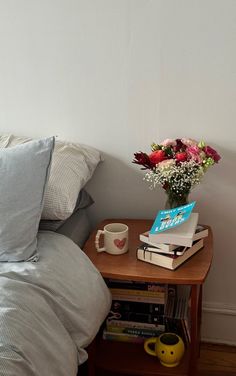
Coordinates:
99 232
147 348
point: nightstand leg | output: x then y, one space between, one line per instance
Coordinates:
196 298
91 358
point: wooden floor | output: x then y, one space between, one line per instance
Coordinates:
215 360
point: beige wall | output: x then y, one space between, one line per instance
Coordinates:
118 75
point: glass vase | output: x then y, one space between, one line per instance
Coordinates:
174 200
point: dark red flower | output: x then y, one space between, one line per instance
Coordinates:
210 152
142 159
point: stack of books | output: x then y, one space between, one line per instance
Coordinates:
137 311
172 247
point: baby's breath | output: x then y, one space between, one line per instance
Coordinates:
177 179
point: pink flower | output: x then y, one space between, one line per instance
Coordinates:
189 142
194 153
210 152
167 163
168 142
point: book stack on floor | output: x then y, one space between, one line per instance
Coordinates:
137 311
171 248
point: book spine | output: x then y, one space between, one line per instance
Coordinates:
142 293
140 307
132 324
140 286
165 247
141 332
136 317
150 257
137 298
121 337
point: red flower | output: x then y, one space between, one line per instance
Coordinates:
181 157
210 152
157 156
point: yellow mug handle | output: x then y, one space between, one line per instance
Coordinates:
147 342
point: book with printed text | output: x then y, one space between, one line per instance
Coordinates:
122 305
167 219
180 235
201 232
169 261
135 285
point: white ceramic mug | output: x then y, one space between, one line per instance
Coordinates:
115 238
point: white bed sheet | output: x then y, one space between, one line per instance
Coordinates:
50 310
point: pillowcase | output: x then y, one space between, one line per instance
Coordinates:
72 167
84 201
24 171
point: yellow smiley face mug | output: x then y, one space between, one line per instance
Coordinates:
168 347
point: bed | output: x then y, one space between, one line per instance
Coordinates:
53 300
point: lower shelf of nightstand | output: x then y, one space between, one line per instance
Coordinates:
119 358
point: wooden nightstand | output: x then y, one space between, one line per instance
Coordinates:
118 358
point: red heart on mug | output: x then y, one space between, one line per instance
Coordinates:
120 243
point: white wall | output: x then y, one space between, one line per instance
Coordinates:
118 75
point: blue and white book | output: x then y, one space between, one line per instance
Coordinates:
167 219
179 235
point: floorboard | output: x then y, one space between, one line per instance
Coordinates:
217 360
214 360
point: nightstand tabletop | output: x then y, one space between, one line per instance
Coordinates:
127 266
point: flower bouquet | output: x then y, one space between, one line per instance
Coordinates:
177 165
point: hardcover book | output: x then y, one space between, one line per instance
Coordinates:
201 232
180 235
114 323
179 250
169 261
120 306
135 285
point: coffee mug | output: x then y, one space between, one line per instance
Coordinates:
115 238
169 348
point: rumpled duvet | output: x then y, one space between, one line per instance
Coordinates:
50 310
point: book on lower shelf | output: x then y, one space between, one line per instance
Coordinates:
118 306
122 337
169 261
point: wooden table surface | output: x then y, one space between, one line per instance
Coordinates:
127 266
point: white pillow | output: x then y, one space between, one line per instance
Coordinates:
72 166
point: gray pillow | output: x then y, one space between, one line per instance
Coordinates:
73 164
24 171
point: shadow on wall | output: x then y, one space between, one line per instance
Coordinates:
119 191
216 205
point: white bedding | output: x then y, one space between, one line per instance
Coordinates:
50 310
